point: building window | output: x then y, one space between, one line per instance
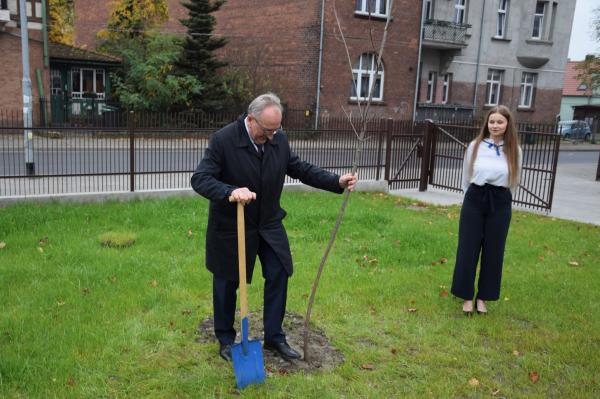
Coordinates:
446 88
365 76
538 20
460 11
431 78
428 9
33 8
493 85
88 83
527 90
376 8
56 82
502 14
3 5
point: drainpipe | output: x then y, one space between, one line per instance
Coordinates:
40 84
478 58
320 65
418 79
26 87
45 34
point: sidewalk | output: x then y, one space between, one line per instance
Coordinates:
576 191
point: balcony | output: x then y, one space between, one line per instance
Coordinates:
445 35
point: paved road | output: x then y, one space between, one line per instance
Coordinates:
576 191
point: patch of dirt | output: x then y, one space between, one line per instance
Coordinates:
322 355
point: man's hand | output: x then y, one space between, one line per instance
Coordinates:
242 195
348 181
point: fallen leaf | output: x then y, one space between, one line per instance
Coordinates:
412 310
534 376
474 382
43 241
443 260
70 381
495 392
60 303
190 233
86 290
506 298
186 312
516 353
367 366
171 325
2 244
394 351
373 311
41 250
573 263
443 293
305 296
541 258
434 263
154 283
282 372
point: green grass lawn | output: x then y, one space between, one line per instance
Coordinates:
80 319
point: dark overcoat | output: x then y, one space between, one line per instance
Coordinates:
231 161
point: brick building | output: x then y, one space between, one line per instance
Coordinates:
477 54
278 43
11 93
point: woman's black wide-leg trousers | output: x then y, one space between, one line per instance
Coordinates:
483 227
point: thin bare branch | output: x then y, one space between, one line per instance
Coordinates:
357 153
349 59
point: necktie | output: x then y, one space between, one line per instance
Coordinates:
260 148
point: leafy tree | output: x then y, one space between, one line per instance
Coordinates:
147 82
61 22
131 20
198 58
589 69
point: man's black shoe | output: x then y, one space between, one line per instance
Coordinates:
225 351
284 350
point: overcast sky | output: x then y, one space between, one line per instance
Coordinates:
582 42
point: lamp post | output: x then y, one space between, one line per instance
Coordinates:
27 100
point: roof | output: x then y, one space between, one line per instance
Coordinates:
65 52
572 85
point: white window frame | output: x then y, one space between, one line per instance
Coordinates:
55 74
79 94
493 87
428 9
362 8
538 21
460 11
502 18
446 88
360 72
527 92
431 80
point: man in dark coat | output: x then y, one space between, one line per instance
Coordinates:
248 160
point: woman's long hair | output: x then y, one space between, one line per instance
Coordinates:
510 147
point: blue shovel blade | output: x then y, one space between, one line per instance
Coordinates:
248 364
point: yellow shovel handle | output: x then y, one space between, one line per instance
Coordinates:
241 236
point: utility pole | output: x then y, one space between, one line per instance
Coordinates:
27 100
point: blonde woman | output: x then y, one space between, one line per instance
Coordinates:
491 173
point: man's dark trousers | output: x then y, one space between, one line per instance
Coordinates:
275 296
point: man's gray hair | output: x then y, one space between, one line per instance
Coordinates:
258 105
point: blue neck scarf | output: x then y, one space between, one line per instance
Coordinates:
494 145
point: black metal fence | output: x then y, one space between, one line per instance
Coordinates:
148 152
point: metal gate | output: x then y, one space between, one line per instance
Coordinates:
404 154
447 143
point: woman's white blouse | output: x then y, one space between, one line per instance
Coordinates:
490 167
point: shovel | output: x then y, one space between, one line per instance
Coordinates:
248 364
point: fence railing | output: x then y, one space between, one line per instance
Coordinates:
160 152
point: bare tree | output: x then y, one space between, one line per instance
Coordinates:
360 130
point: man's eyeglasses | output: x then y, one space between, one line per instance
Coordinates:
264 129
